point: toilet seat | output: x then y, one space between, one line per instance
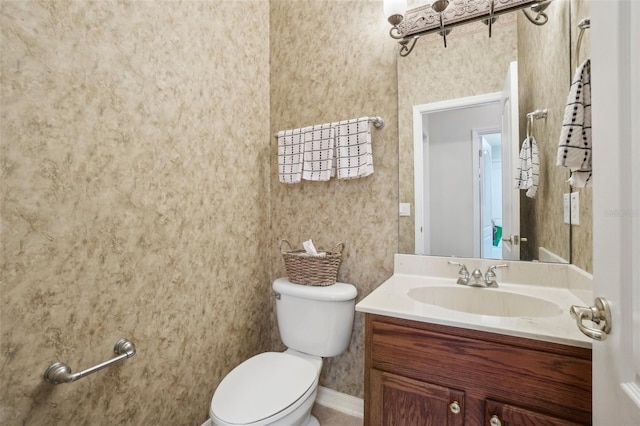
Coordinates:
261 387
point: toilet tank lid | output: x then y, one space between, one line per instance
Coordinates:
262 386
334 292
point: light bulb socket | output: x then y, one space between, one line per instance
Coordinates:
395 19
439 5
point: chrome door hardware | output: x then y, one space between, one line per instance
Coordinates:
59 372
600 314
515 239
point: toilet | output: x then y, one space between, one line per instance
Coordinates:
279 388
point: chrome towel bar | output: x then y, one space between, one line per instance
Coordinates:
378 123
59 372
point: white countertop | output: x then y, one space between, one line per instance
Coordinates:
392 299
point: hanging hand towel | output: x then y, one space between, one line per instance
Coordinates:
528 174
575 138
319 147
290 153
354 155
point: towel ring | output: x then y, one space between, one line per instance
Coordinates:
535 115
582 25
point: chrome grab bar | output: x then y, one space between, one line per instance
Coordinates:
59 372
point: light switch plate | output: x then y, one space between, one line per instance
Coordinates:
566 208
575 208
405 209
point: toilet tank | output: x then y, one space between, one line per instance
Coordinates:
315 320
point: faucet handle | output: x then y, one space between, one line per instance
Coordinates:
492 268
463 273
463 268
490 276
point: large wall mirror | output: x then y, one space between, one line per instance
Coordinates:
455 105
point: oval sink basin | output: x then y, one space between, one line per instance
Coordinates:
485 301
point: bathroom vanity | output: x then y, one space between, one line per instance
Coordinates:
419 374
462 365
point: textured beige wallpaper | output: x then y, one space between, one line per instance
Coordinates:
135 144
544 77
472 64
334 60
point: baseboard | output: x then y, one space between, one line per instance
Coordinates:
342 402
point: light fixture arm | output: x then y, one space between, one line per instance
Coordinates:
407 45
395 33
541 18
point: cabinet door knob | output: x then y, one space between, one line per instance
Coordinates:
495 421
454 407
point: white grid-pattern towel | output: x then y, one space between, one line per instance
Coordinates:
574 150
354 156
528 175
290 155
319 144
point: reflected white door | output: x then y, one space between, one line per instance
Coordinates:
510 155
615 41
423 157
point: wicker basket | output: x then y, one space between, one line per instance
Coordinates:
311 270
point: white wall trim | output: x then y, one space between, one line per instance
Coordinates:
545 255
342 402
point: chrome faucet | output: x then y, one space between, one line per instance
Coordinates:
476 278
463 273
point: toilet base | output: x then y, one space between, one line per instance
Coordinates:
313 421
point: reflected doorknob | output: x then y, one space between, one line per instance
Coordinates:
600 314
514 239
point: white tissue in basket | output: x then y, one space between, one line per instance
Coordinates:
311 249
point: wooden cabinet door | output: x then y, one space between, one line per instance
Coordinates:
400 401
499 414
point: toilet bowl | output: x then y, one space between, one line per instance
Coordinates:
272 388
279 388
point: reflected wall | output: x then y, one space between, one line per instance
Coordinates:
544 75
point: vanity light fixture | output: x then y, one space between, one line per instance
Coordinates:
440 16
